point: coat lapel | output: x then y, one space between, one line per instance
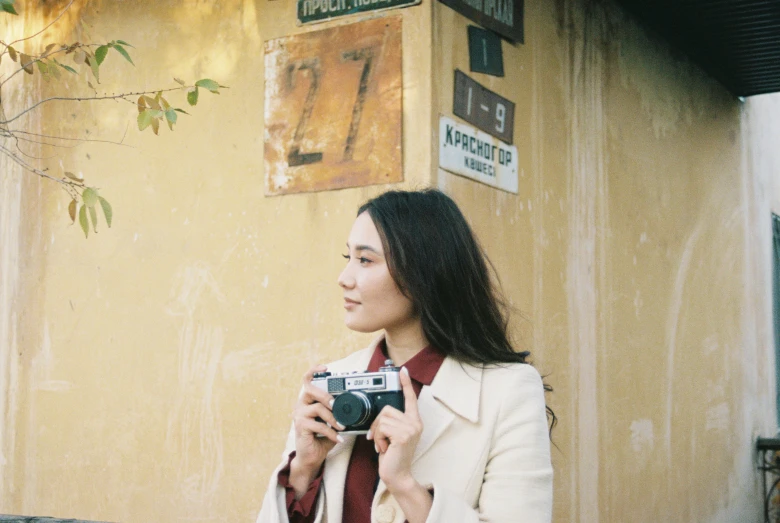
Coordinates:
454 392
334 475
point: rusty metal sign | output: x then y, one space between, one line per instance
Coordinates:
504 17
333 108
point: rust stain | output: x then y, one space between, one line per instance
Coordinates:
333 108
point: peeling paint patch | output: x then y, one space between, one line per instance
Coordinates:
642 436
245 364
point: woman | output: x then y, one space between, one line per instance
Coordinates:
472 443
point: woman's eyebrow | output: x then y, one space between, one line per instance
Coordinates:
366 248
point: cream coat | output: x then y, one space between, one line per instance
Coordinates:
484 449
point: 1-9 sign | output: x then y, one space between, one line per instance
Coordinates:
483 108
333 108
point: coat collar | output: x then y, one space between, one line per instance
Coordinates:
457 385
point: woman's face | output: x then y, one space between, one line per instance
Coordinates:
371 298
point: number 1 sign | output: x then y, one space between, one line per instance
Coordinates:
333 108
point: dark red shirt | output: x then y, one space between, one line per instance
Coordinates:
363 471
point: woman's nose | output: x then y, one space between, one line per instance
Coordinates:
346 281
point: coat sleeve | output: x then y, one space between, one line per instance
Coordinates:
517 484
274 509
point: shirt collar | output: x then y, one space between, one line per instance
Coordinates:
422 367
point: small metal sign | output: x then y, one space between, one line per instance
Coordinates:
310 11
485 54
471 153
504 17
482 107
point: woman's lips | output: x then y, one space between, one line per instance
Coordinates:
350 304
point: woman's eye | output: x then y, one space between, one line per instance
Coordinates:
364 261
345 256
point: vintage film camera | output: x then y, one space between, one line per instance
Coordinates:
360 396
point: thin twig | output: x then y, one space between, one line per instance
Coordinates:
70 186
84 99
94 140
39 142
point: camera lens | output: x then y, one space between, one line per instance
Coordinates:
352 408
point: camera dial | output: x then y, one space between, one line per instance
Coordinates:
352 408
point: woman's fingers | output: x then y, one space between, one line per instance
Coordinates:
410 398
390 428
310 425
312 394
318 410
309 374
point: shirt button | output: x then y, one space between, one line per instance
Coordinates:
385 514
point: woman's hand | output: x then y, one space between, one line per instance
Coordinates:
310 449
395 436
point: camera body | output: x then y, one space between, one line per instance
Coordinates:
360 396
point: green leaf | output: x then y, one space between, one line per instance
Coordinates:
93 215
72 210
107 212
171 115
42 67
182 111
144 119
95 69
124 43
68 68
74 177
179 81
89 196
8 6
192 96
83 220
147 117
79 57
100 54
26 62
123 52
211 85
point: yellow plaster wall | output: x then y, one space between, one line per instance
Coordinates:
149 371
638 248
159 360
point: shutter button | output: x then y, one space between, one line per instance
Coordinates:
385 513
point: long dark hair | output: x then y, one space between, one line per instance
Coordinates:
436 261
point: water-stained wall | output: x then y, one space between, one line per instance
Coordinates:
149 371
638 246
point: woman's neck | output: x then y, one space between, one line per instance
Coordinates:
403 344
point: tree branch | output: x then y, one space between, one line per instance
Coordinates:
12 132
41 57
69 186
83 99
